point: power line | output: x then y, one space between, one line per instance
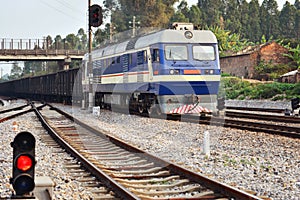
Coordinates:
60 11
70 6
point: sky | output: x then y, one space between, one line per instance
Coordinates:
36 19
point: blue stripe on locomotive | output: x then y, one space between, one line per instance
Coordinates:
163 88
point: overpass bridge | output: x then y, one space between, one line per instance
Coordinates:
36 50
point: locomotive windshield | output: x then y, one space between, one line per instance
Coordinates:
176 52
201 52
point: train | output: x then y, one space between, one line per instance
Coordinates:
171 71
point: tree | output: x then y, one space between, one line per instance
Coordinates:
244 17
71 41
15 72
294 55
228 43
253 32
58 43
150 13
269 19
297 4
181 15
287 21
83 41
212 11
233 16
32 68
297 20
195 15
101 35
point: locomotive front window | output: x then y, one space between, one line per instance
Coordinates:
176 52
204 52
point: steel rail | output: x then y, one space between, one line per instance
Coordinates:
105 179
15 115
287 131
273 110
14 109
275 118
214 185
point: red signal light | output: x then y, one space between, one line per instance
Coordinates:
24 163
95 15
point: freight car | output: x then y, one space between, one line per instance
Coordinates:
170 71
62 86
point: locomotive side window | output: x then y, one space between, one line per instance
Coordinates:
155 55
202 52
141 57
176 52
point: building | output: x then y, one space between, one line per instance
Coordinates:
290 77
243 63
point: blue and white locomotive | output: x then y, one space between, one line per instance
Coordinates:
169 71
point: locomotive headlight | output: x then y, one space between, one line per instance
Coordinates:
209 71
174 71
188 34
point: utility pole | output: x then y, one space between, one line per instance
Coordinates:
134 25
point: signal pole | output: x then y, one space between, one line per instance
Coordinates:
90 65
95 20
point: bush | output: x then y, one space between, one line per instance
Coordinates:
236 88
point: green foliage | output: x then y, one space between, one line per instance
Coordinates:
271 70
238 89
294 55
228 43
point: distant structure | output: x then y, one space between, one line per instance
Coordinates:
290 77
243 63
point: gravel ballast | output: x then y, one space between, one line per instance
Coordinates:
266 164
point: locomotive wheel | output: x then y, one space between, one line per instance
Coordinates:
154 110
102 104
141 109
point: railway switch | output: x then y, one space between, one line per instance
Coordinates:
23 163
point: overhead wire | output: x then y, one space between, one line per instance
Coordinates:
60 11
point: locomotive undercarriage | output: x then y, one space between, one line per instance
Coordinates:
153 104
143 103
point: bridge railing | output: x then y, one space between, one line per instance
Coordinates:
30 44
38 47
23 44
45 52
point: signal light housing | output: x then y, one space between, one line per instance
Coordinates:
95 15
295 103
23 163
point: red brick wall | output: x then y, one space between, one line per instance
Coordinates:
273 53
243 65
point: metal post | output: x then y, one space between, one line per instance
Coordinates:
133 26
90 66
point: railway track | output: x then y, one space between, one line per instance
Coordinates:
271 110
131 173
265 117
283 130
